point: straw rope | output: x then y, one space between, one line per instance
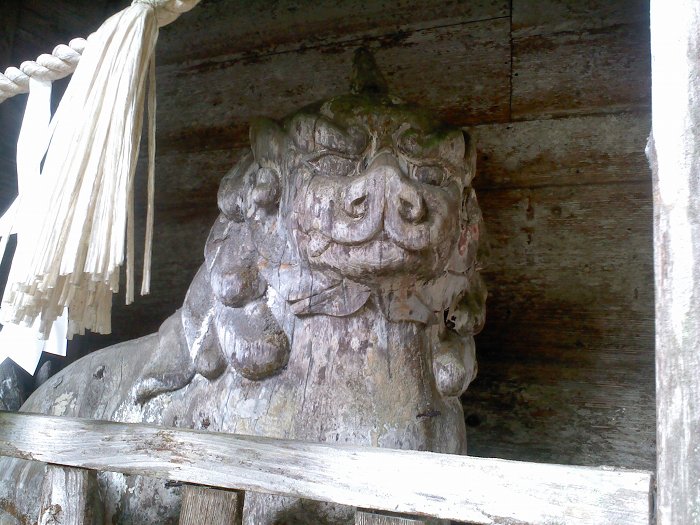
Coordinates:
59 64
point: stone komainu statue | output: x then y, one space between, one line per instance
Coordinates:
337 303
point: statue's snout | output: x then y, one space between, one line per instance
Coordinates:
382 190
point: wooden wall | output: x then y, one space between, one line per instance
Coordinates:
557 94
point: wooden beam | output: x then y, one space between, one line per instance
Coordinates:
581 72
674 151
476 490
263 28
210 506
476 56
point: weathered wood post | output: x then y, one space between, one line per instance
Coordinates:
210 506
69 497
674 151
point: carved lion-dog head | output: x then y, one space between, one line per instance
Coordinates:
360 198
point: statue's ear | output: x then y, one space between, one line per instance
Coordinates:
233 191
302 129
268 142
469 158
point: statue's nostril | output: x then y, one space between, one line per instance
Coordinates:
357 207
412 210
364 164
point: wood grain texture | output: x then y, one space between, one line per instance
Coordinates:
226 28
674 152
553 16
209 106
68 497
567 351
586 71
8 112
580 289
574 151
210 506
374 518
525 405
482 491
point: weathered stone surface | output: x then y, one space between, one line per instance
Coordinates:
337 303
13 390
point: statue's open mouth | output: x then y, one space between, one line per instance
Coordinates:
376 256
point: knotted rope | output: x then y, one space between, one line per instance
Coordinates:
71 230
59 64
64 58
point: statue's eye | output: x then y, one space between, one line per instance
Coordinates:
331 165
433 175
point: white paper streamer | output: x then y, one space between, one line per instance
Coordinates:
22 343
72 220
23 346
86 195
31 148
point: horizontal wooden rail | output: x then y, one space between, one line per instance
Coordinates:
477 490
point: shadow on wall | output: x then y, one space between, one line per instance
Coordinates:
549 401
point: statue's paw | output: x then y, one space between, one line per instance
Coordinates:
170 366
454 364
155 384
256 345
263 358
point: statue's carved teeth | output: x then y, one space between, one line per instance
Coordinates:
318 243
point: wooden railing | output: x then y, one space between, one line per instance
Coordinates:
408 484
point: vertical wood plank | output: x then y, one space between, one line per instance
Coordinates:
69 497
363 517
674 151
209 506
